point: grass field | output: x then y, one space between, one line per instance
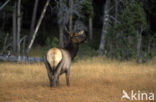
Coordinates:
92 80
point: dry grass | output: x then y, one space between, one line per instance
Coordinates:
92 80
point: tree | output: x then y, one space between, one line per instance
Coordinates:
14 27
62 19
140 25
38 25
18 26
33 20
105 26
88 10
126 36
66 12
70 15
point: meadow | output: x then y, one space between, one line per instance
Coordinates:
92 80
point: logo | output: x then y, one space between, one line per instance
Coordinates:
137 95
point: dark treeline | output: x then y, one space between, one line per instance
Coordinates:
120 29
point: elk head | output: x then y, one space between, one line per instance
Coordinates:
77 38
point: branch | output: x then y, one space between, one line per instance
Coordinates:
22 39
115 19
110 8
4 5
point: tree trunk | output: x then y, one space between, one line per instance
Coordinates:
71 15
116 10
105 25
5 44
139 47
38 25
33 19
61 42
3 19
22 59
14 29
149 47
110 49
18 26
90 28
4 5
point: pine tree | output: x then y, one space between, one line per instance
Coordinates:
124 38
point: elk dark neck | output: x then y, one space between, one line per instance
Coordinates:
72 48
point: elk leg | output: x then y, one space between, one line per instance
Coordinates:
56 78
57 81
50 79
52 83
48 72
68 78
57 73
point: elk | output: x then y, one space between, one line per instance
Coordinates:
58 60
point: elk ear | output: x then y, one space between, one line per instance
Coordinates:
79 33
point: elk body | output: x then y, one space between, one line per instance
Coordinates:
58 60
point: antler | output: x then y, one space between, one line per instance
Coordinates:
79 33
76 34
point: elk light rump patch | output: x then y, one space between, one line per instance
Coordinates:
54 56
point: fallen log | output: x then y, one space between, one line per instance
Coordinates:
21 59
